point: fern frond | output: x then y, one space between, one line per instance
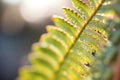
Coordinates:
67 52
83 8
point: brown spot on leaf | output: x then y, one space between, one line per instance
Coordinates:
94 53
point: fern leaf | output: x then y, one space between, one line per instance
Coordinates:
64 25
74 18
94 3
68 51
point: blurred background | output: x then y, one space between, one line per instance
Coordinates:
21 24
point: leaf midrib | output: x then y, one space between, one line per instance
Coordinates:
79 34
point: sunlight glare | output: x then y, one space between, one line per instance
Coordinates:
33 10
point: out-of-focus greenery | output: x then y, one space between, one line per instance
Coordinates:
105 66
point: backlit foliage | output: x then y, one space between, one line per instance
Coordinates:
69 50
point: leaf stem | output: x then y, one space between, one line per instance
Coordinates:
79 34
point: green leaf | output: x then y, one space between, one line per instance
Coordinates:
83 8
74 18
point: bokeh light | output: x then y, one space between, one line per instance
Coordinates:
35 10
